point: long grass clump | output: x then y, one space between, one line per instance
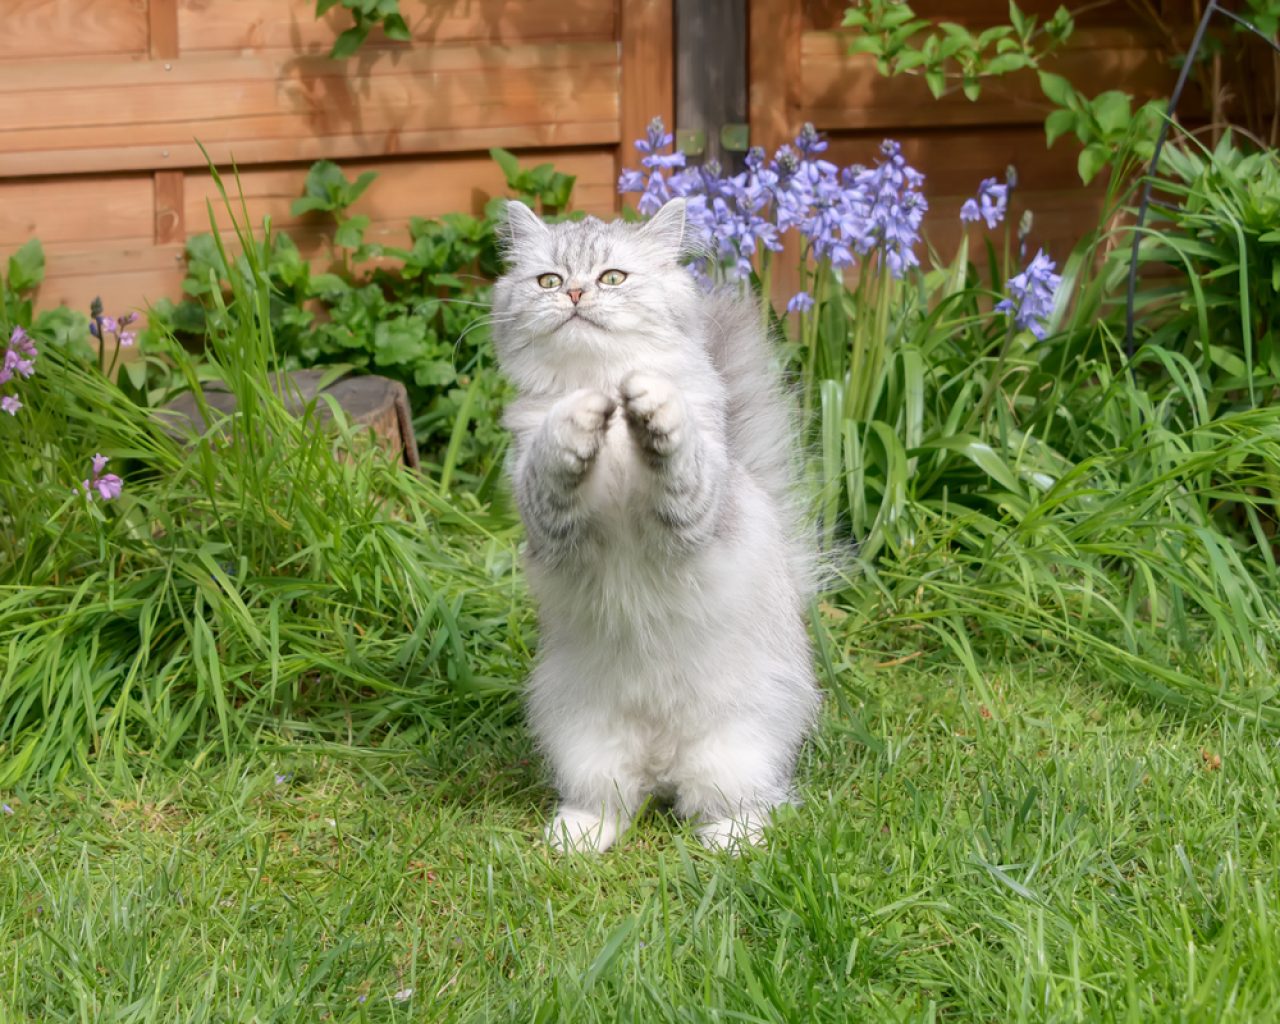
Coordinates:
267 568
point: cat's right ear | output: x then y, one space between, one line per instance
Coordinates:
520 227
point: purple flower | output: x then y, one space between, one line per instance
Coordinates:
809 141
991 204
1031 295
6 808
10 404
630 181
801 302
127 338
108 485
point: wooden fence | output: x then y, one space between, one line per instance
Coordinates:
102 103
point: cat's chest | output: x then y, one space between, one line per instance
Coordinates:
617 479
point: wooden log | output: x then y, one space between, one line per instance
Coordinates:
379 403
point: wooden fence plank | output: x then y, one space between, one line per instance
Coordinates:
774 65
291 24
56 29
647 72
170 209
110 115
163 15
403 189
96 211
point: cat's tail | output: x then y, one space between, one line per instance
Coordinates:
763 420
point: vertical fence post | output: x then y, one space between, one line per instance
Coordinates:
711 75
647 33
167 209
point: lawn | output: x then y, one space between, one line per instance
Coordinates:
1034 848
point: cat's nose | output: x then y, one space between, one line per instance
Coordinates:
574 295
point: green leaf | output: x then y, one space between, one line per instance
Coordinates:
1058 124
971 88
398 341
309 204
350 232
1017 19
396 28
349 42
1004 63
1111 110
356 190
1057 88
26 266
1093 158
506 160
322 7
936 81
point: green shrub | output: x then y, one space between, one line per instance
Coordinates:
418 314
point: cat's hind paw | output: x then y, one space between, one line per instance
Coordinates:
575 831
735 833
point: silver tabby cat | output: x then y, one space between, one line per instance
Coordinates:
652 465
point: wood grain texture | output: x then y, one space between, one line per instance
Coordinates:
109 115
90 211
56 29
403 189
242 25
163 18
647 76
170 211
774 60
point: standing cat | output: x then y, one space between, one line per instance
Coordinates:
652 467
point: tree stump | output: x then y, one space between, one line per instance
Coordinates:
379 403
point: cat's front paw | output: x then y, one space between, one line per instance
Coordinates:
578 424
655 412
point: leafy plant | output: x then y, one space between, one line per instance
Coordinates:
946 53
417 314
367 14
1008 481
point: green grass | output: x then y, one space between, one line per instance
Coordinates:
1035 847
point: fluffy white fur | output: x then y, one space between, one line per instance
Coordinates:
653 467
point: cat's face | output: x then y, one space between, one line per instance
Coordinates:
588 292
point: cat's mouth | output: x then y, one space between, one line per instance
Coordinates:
577 314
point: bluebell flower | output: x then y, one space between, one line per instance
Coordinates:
891 207
991 204
809 141
631 181
656 137
1031 295
801 302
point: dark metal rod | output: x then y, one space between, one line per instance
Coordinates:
1155 162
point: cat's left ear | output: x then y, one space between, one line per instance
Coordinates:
667 227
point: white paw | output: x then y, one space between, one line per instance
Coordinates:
578 423
733 833
573 831
655 412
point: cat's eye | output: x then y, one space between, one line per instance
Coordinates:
550 281
612 277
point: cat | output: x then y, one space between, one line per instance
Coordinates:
652 464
